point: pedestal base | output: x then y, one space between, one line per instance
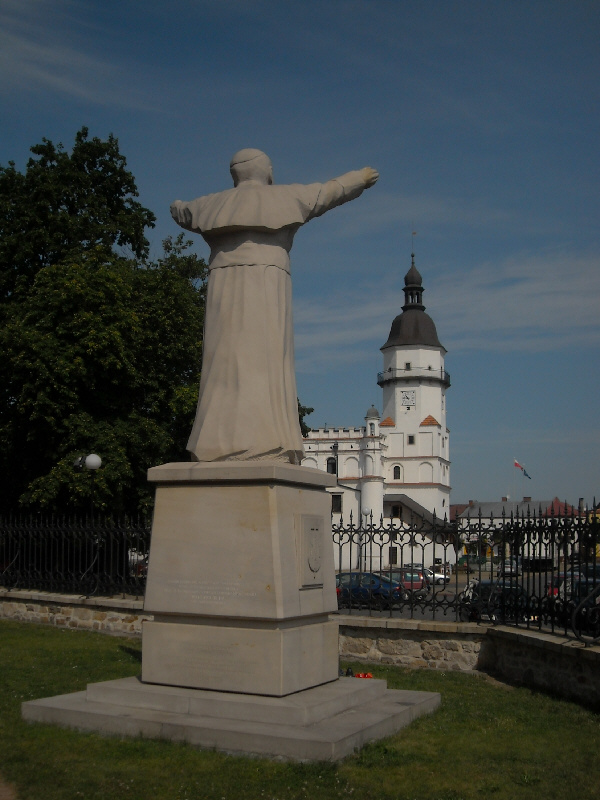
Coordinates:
325 723
241 579
270 660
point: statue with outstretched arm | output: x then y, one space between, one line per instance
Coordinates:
247 406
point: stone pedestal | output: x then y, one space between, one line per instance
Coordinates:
325 723
240 579
241 655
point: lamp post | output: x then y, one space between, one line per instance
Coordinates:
366 512
91 462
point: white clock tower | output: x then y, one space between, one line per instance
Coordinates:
398 464
414 383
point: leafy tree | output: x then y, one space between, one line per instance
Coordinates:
304 411
101 355
65 203
101 349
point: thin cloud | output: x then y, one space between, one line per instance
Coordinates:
541 302
42 48
537 303
567 438
383 210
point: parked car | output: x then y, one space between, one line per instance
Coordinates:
138 563
439 578
561 584
508 569
497 601
591 571
574 599
415 568
368 590
445 569
584 607
412 580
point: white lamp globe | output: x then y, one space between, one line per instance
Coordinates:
93 461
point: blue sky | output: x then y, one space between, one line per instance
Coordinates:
483 119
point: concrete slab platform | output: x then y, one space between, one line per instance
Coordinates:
325 723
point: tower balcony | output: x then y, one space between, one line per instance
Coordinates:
393 375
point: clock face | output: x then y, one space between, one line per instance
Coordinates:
408 397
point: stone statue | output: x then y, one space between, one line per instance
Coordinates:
247 408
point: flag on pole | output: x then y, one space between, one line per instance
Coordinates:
523 470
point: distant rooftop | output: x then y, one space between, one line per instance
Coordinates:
507 507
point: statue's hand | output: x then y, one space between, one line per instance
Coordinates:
370 176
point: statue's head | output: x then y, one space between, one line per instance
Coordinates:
251 165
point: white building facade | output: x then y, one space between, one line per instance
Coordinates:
397 465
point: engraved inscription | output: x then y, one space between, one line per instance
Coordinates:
217 660
208 591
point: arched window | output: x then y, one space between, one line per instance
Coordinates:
371 428
425 472
396 473
350 468
331 466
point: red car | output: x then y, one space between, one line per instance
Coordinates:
412 580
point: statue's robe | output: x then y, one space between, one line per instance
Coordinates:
247 406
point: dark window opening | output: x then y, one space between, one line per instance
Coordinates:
332 466
336 503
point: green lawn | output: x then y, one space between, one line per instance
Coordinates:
486 740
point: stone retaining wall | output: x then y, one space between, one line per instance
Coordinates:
553 664
106 614
543 662
408 643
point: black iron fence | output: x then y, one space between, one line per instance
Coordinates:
86 557
536 571
533 571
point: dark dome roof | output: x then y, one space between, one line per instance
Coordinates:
372 413
413 276
413 327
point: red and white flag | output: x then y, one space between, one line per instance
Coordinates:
523 470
